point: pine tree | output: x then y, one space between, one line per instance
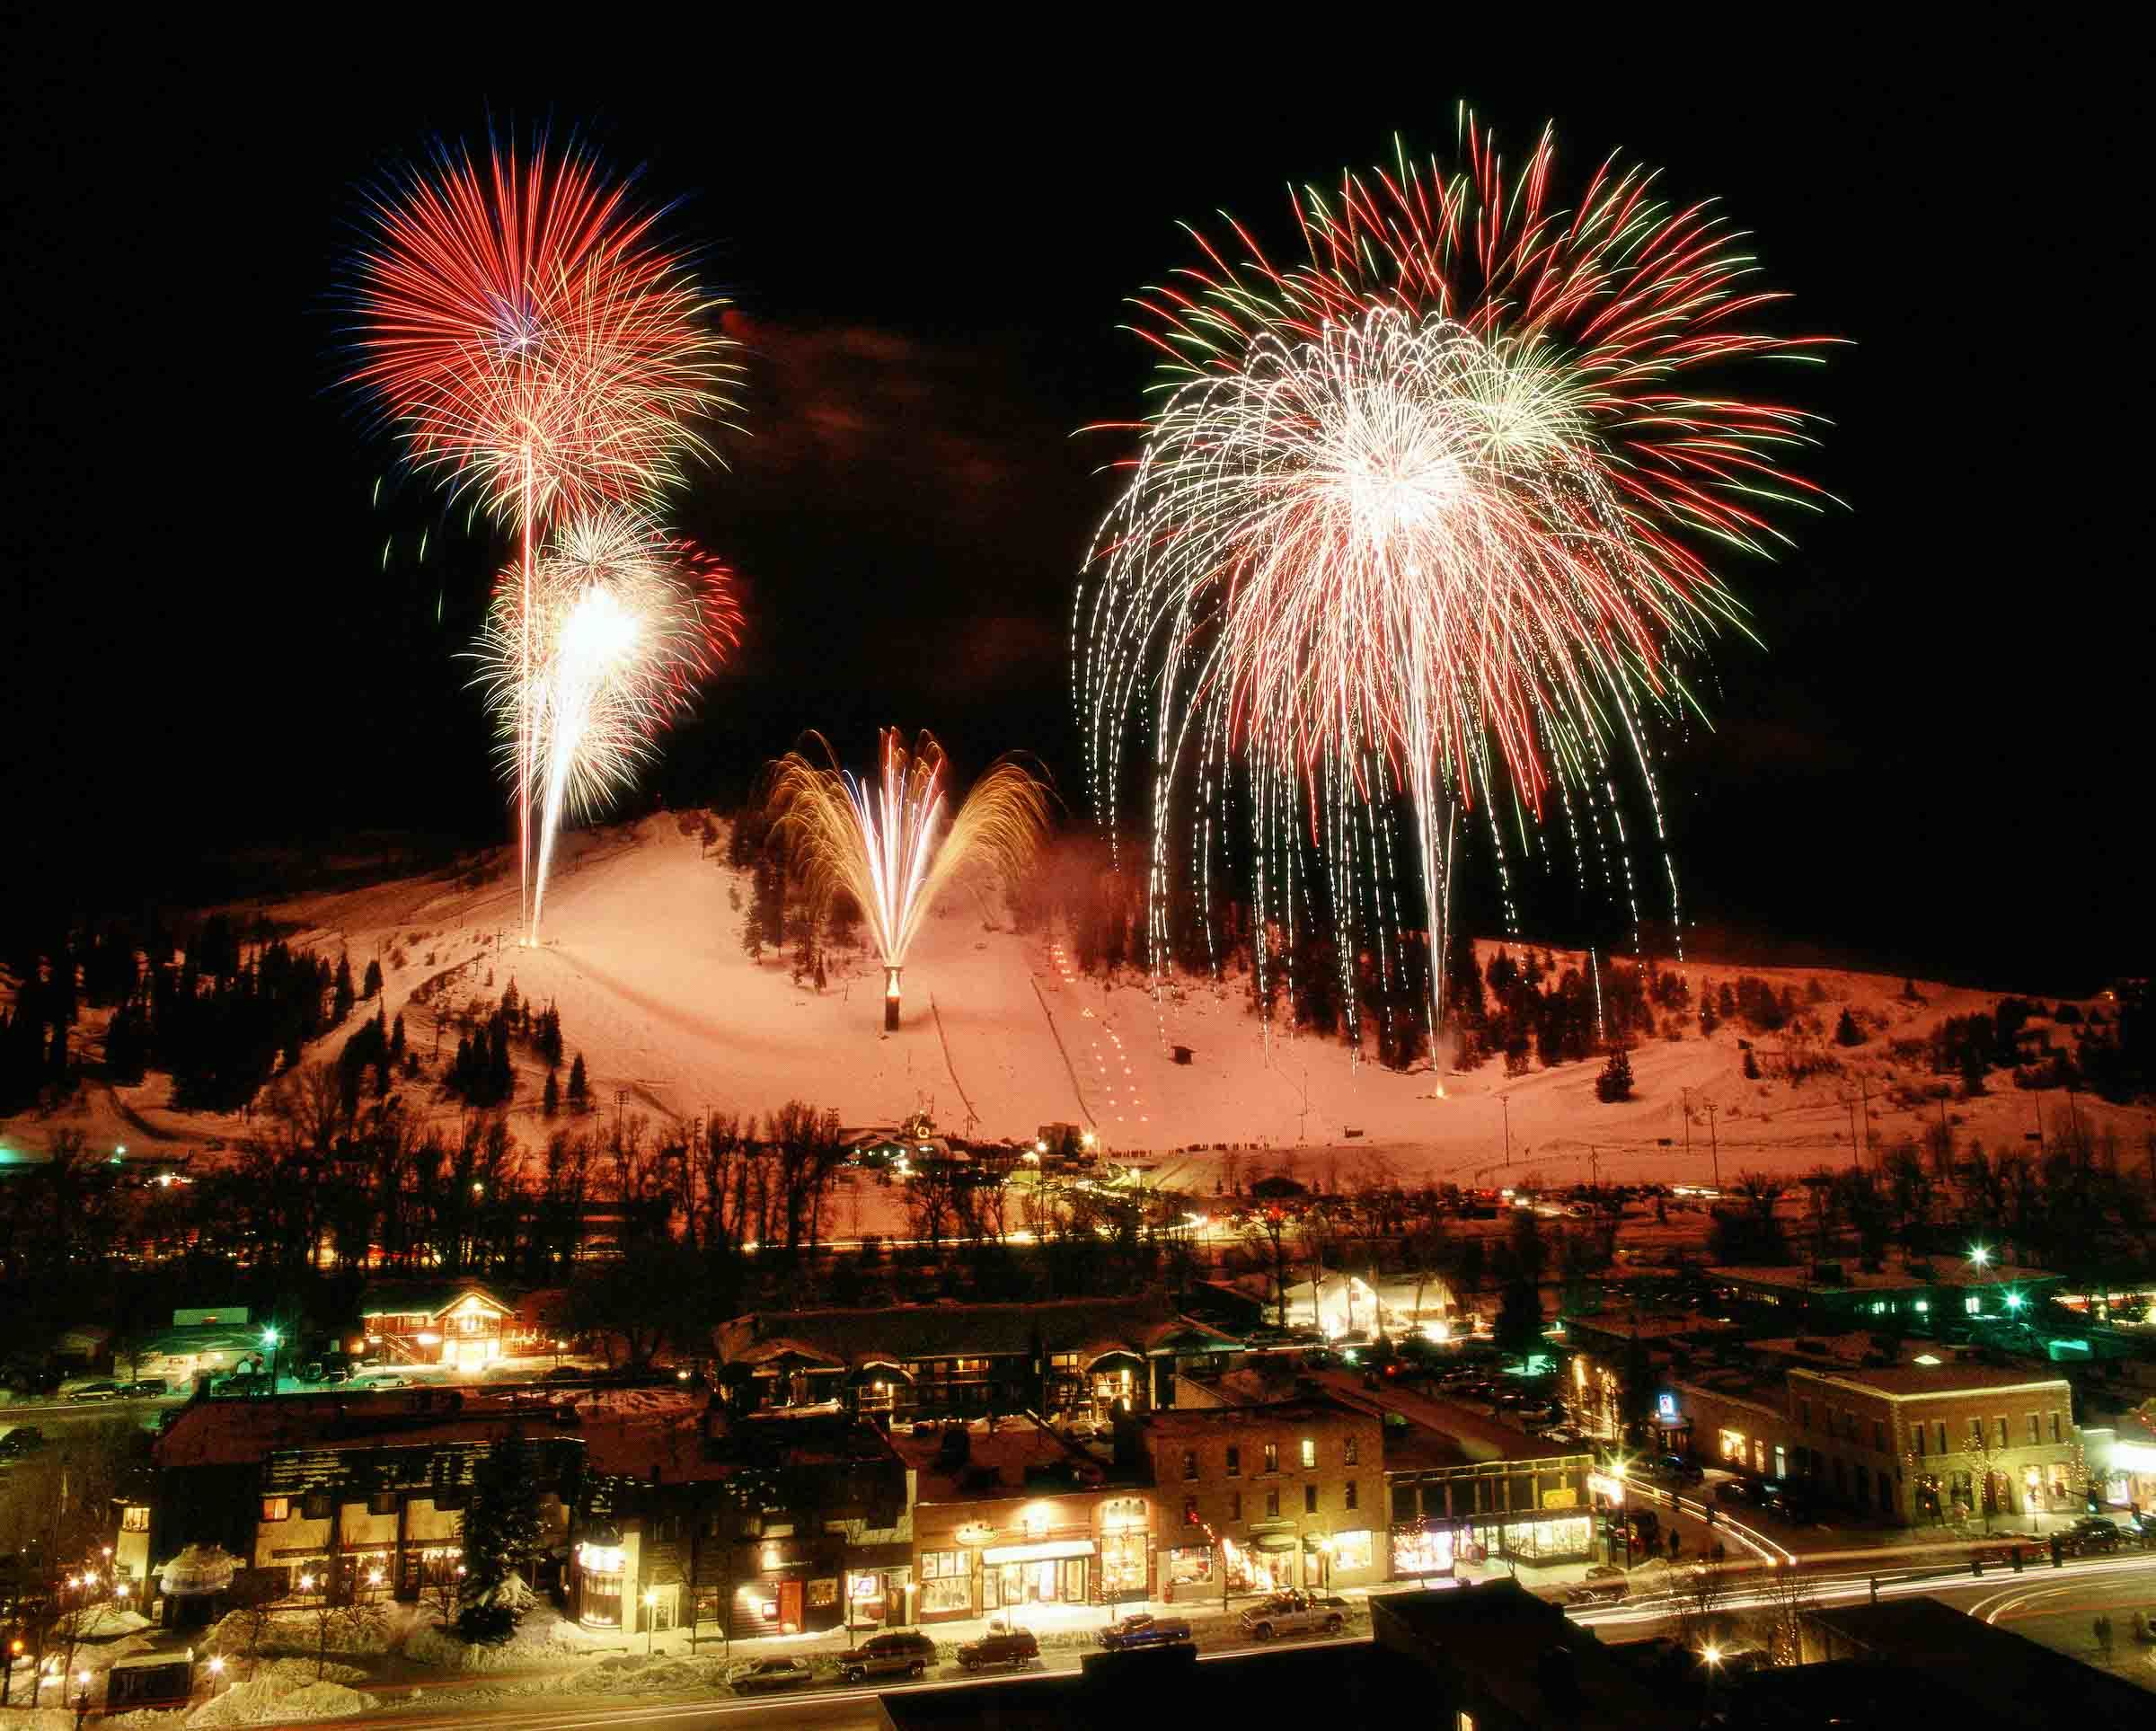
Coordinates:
1710 1019
550 1101
397 1038
1518 1328
752 932
501 1079
549 1038
1615 1082
1751 1065
501 1531
579 1089
1846 1031
819 970
371 986
343 990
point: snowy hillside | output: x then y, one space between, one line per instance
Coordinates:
1000 1034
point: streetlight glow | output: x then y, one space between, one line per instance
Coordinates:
1712 1653
1979 1254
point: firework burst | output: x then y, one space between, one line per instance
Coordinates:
529 338
590 663
1415 520
887 843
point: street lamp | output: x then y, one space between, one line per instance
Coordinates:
650 1608
271 1338
1979 1254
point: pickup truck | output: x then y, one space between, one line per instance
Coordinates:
1143 1630
1290 1614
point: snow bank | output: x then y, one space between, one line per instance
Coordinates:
284 1692
544 1638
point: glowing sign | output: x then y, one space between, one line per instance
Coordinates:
1666 1408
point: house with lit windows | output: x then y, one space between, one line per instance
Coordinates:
1927 1295
333 1497
1078 1358
462 1325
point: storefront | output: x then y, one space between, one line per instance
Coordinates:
600 1570
961 1582
2128 1476
1424 1549
1266 1564
1125 1549
879 1580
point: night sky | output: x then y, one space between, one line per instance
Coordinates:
1936 763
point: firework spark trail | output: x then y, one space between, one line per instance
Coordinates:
527 337
885 843
624 623
1411 520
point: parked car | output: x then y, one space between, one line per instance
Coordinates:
1678 1471
763 1676
2101 1539
389 1379
24 1439
896 1652
1790 1501
1290 1614
1605 1583
1143 1630
1013 1646
95 1391
1734 1490
149 1388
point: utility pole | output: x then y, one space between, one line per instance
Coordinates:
1506 1104
1864 1091
1714 1147
1856 1156
1684 1108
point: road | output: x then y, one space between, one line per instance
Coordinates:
2053 1606
836 1708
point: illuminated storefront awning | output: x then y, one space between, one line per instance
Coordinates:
1273 1542
1051 1550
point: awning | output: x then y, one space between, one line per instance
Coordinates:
1049 1552
1273 1542
897 1555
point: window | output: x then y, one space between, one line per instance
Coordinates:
946 1580
1310 1499
1234 1462
315 1506
1940 1431
1189 1511
1999 1430
1804 1414
1977 1432
1189 1463
1916 1436
1878 1436
2055 1426
1463 1721
382 1501
1272 1505
277 1508
1234 1505
1353 1497
135 1518
1272 1457
1351 1549
2036 1433
1354 1453
1310 1452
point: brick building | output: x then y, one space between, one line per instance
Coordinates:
1013 1516
1912 1442
1251 1498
